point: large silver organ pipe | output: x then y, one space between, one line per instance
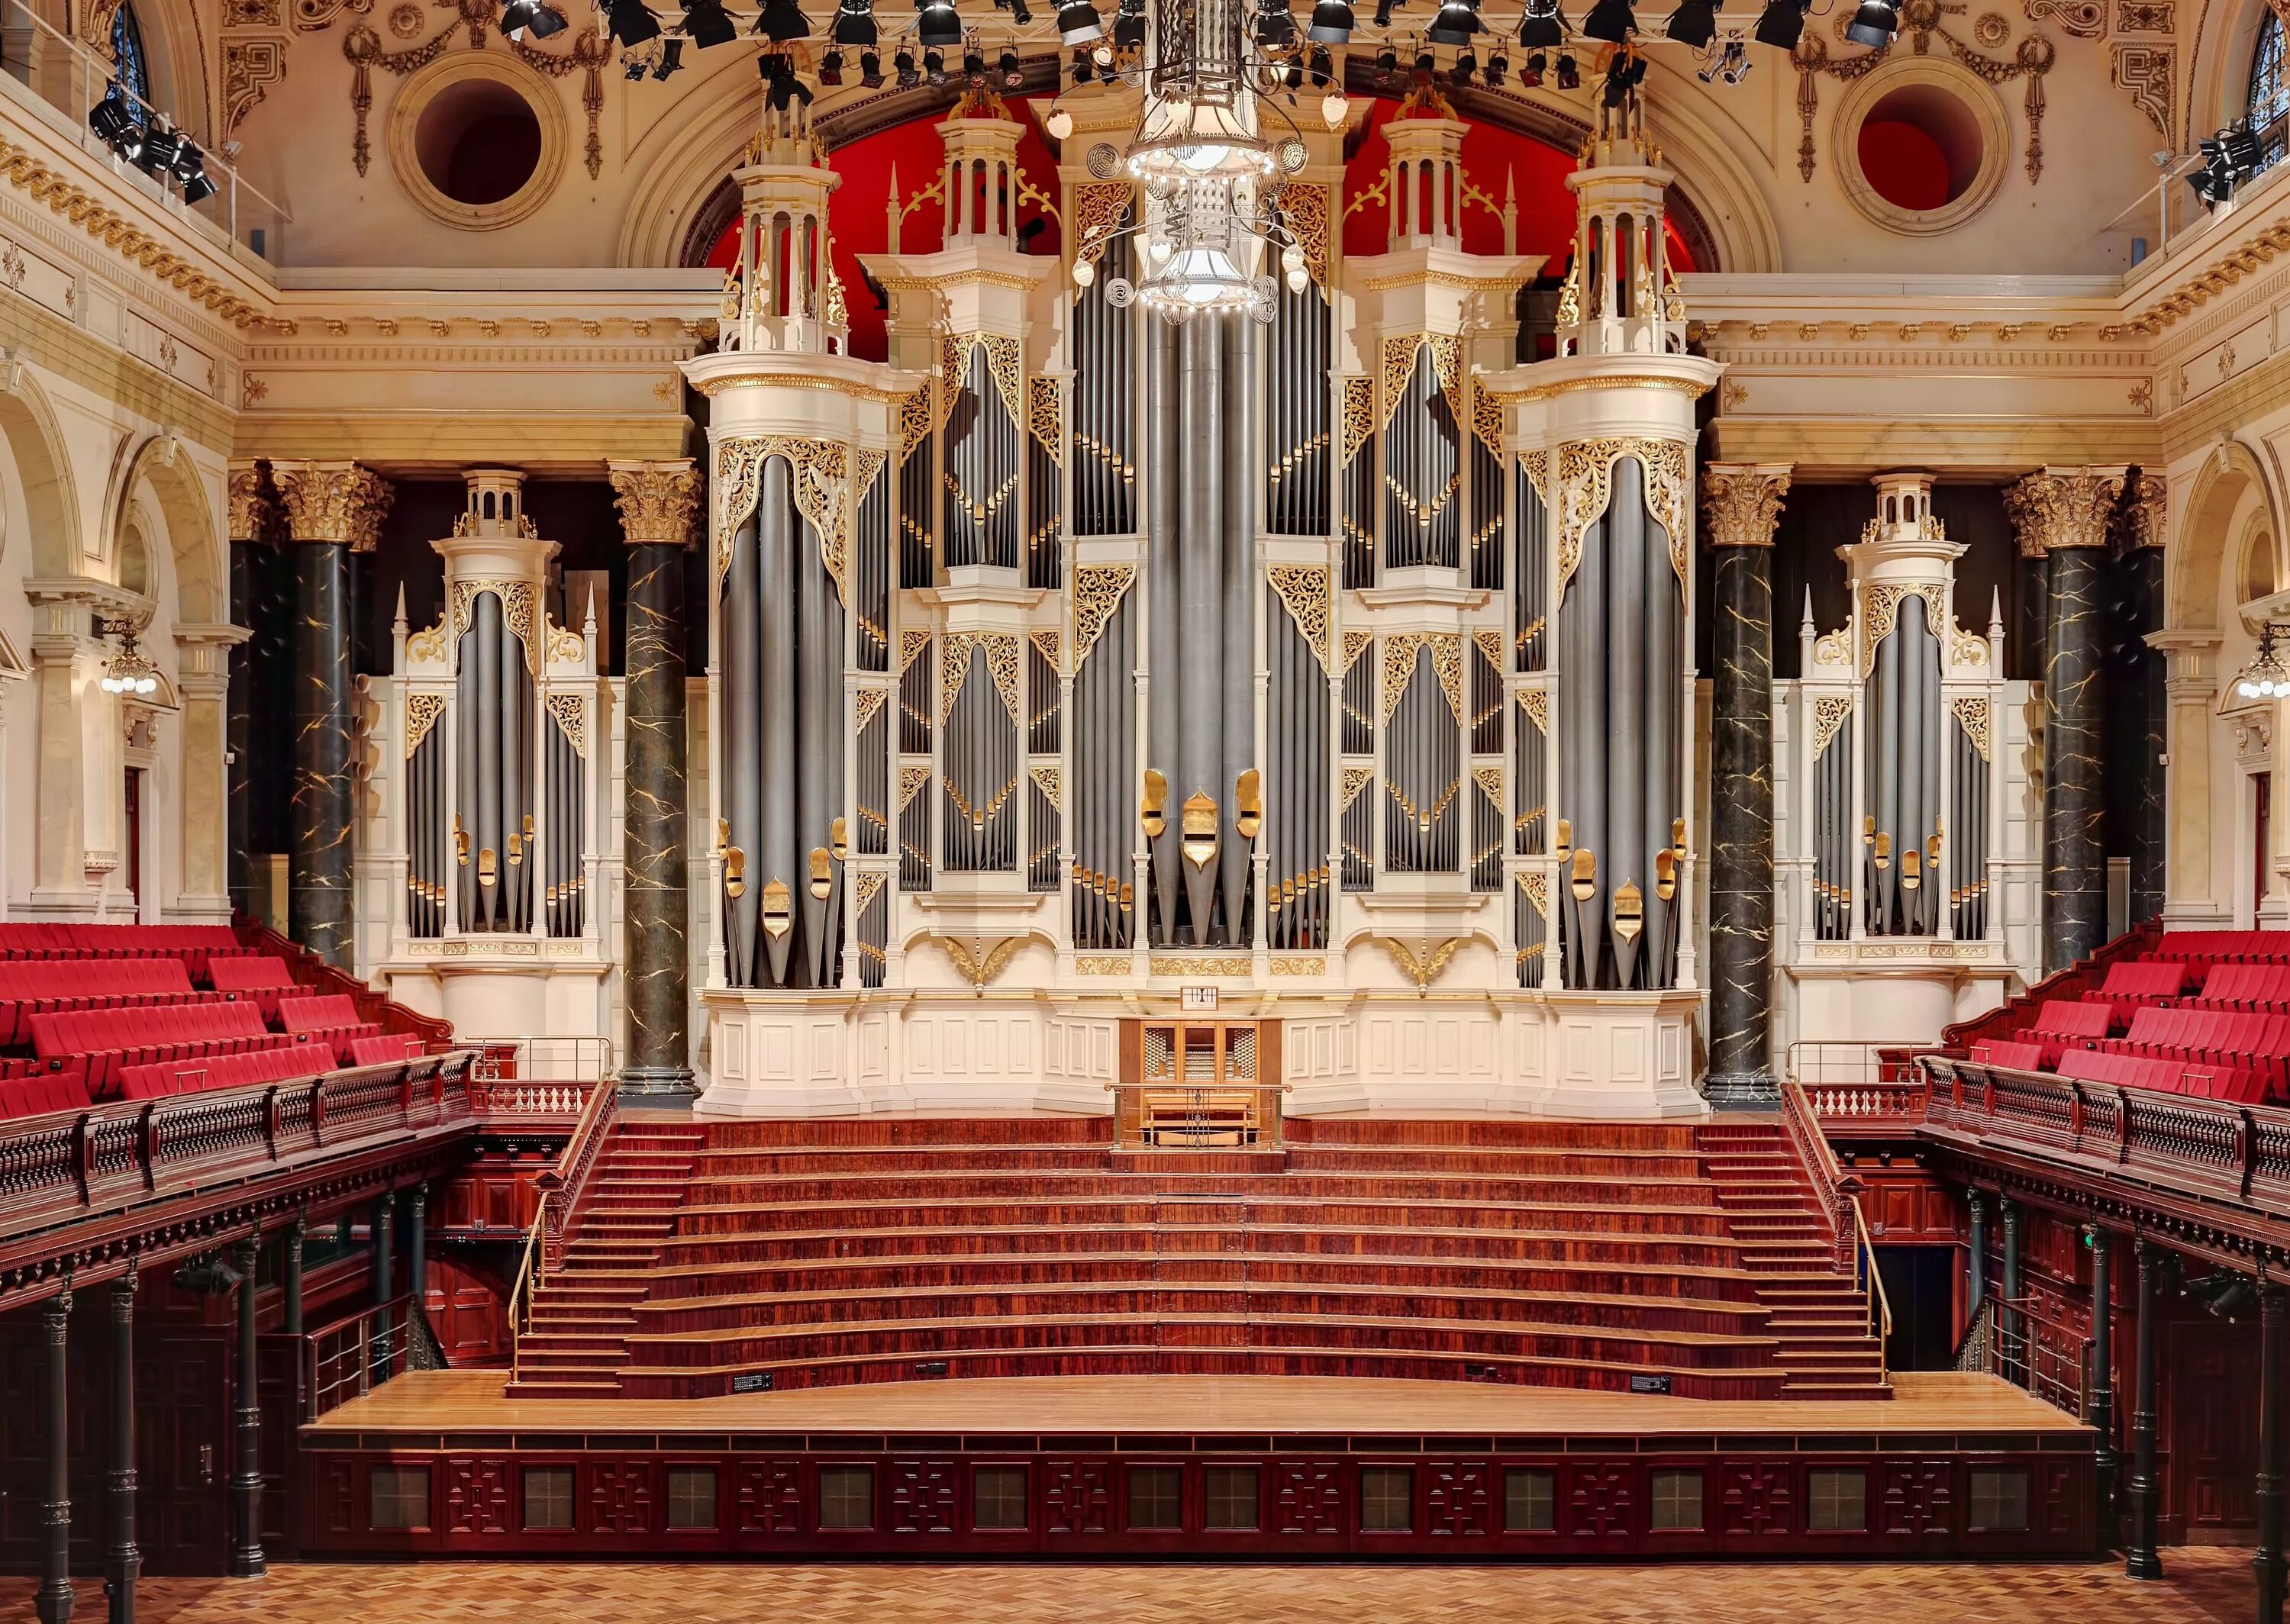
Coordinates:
1901 834
1297 886
494 706
1101 798
1620 794
1296 435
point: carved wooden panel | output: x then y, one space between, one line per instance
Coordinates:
1307 1498
478 1495
1459 1499
2058 1503
1919 1498
1079 1497
767 1498
923 1496
1600 1501
620 1496
1756 1497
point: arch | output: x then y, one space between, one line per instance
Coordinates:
680 162
192 544
2198 559
2218 79
174 48
27 424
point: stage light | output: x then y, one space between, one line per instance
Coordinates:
1082 71
1610 20
1384 12
904 65
520 17
1498 70
2230 159
1530 77
1128 29
870 69
1292 78
1466 67
633 67
854 23
1624 74
705 23
830 68
1276 30
1729 66
1569 76
1321 67
937 23
114 120
159 151
1332 22
1873 24
1387 64
1456 22
630 21
1543 24
1781 23
1079 23
1020 13
935 67
672 57
1426 65
190 169
1694 23
1012 74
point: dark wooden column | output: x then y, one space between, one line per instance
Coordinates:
417 1246
54 1600
290 1306
246 1468
2102 1383
2141 1561
385 1276
2012 1338
2267 1562
1976 1263
121 1560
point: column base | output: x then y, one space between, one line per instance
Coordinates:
667 1088
1742 1091
2143 1565
247 1564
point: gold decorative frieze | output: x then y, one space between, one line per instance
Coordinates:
1298 964
1198 965
1102 964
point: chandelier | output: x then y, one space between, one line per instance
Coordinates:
128 671
2268 674
1210 176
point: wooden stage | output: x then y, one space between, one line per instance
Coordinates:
1256 1468
1925 1403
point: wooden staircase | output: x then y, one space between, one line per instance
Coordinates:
1597 1256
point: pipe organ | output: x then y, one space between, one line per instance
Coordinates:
1323 655
488 818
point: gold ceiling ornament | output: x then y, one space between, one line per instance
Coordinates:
571 713
1355 780
1046 415
912 776
422 713
1098 589
1920 21
2055 508
1830 711
1421 961
591 50
978 960
657 501
819 478
1971 714
1049 778
865 705
1304 211
1741 503
1586 474
362 47
1536 703
250 68
1359 415
1303 590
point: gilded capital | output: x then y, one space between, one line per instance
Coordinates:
658 500
251 501
2061 507
332 501
1741 503
2143 515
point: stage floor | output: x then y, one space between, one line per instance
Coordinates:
1924 1401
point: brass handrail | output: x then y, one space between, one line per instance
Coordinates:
1880 1301
532 1272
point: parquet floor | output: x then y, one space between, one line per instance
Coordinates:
2204 1585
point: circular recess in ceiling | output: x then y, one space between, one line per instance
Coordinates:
478 141
1921 145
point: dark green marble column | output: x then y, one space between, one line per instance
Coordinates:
657 501
332 507
2067 512
1739 506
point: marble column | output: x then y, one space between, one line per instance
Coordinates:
252 508
658 501
2145 703
1740 503
2067 512
332 509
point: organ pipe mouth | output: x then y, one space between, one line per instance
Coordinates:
1932 852
488 867
735 872
1883 842
516 849
1562 840
1868 828
1912 868
778 915
1200 828
1630 912
723 836
1665 874
1157 800
1678 839
838 838
461 840
823 874
1249 798
1586 875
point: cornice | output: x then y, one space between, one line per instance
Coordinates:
56 346
408 441
2003 446
2219 410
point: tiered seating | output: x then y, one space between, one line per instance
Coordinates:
2200 1013
384 1049
331 1019
194 944
35 987
1558 1253
264 980
100 1043
283 1063
38 1096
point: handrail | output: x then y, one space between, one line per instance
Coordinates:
532 1274
1880 1301
568 1180
346 1358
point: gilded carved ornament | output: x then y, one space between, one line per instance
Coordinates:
1098 589
422 713
1400 653
819 478
2055 508
1586 474
865 705
1973 715
1741 503
1830 711
1303 590
571 711
657 501
332 501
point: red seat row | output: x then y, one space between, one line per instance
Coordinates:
193 944
2234 1037
329 1017
386 1049
287 1063
2114 1064
34 987
2247 987
2224 946
262 978
2017 1056
2134 981
102 1042
38 1096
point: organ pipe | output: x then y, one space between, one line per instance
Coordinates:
493 707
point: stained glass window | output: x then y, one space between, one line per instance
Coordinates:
134 72
2270 94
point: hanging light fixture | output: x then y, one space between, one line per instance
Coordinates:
2267 676
127 671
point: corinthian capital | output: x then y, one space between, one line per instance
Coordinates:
251 501
657 501
332 501
2143 515
1740 501
2057 509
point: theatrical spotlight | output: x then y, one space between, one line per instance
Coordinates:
1498 69
1276 30
1874 23
937 23
1332 22
705 23
1457 22
1387 65
1012 74
780 85
854 23
161 147
1568 76
630 21
520 17
1426 66
1543 24
114 120
1323 67
1466 68
1610 20
2230 159
830 68
1079 23
1781 23
1019 12
1694 23
903 64
1383 9
1128 28
190 169
1728 66
935 67
780 22
1083 73
974 68
672 57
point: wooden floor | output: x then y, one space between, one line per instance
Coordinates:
2209 1586
442 1401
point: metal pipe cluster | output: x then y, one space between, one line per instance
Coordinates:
1530 791
1531 600
1836 843
918 551
870 574
873 787
1044 542
1903 700
493 715
1104 446
425 816
1527 925
1422 476
1297 410
1296 724
1422 776
1621 662
982 473
978 830
565 785
1102 793
1488 541
1966 850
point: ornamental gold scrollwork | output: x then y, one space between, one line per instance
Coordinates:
1536 466
1880 613
954 653
422 713
1535 884
1098 590
1359 415
1356 643
1049 644
1399 359
1399 656
1008 667
1003 364
1303 591
1830 711
1304 209
912 776
427 645
1046 415
1972 714
516 613
1049 780
1354 781
1487 418
820 473
1489 778
1536 703
914 421
1490 644
911 644
866 467
1298 964
1833 649
571 713
565 644
1100 207
1586 474
1966 649
868 885
865 705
